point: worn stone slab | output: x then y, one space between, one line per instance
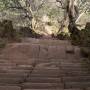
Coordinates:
29 85
88 88
29 61
57 52
77 84
24 67
43 80
73 89
13 75
54 89
48 65
52 52
21 51
76 78
60 52
70 49
43 51
16 71
45 89
46 71
45 75
10 80
45 41
10 88
77 52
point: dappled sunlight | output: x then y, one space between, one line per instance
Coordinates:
48 29
45 18
44 44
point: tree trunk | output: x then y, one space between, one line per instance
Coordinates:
72 12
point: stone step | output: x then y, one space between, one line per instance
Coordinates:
43 89
39 61
76 79
21 67
17 71
71 60
21 51
11 72
6 80
74 75
56 89
66 69
46 52
77 84
14 69
73 89
13 75
88 88
51 64
25 66
45 75
29 85
43 61
70 49
4 61
72 68
76 70
43 80
7 64
10 87
45 41
46 71
21 60
67 63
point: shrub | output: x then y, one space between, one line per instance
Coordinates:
7 31
83 41
62 36
27 32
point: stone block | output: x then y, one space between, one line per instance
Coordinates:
10 88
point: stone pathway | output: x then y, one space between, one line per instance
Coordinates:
37 64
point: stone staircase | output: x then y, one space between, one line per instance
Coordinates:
40 64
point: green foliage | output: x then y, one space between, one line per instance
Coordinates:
27 32
7 31
83 41
63 36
